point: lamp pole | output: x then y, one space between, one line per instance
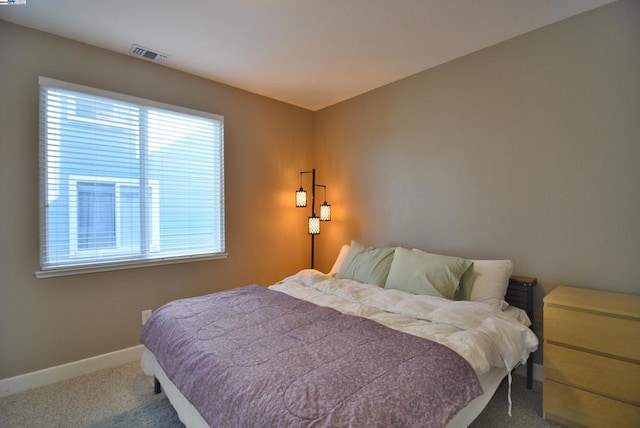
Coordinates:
313 225
313 212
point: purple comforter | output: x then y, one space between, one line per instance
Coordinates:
252 357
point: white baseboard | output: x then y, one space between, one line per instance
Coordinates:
43 377
538 374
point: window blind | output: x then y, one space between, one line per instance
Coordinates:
126 180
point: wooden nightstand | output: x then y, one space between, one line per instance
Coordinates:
591 358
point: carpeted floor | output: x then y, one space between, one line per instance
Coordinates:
526 411
156 414
77 402
122 397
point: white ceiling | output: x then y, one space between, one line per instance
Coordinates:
310 53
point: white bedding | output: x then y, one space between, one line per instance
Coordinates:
485 336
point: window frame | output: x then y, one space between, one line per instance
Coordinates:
101 266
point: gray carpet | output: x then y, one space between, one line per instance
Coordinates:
78 402
157 414
527 411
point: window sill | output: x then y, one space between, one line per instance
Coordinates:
79 270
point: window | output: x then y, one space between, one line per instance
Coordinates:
126 182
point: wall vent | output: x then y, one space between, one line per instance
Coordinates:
148 53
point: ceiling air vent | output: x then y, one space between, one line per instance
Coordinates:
148 53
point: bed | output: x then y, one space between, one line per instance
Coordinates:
389 337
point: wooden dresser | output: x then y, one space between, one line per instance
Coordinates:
591 358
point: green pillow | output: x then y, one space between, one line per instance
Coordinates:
368 265
466 285
418 272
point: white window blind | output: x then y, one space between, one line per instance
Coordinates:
126 181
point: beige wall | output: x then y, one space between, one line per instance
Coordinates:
53 321
528 150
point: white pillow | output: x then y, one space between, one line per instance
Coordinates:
490 281
338 263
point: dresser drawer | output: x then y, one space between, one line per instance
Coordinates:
592 331
606 376
565 404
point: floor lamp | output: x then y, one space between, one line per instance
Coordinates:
313 227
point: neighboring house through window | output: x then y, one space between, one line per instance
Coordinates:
126 181
104 216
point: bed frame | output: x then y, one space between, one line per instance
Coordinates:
520 295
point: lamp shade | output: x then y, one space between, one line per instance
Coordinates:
325 212
314 225
301 198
